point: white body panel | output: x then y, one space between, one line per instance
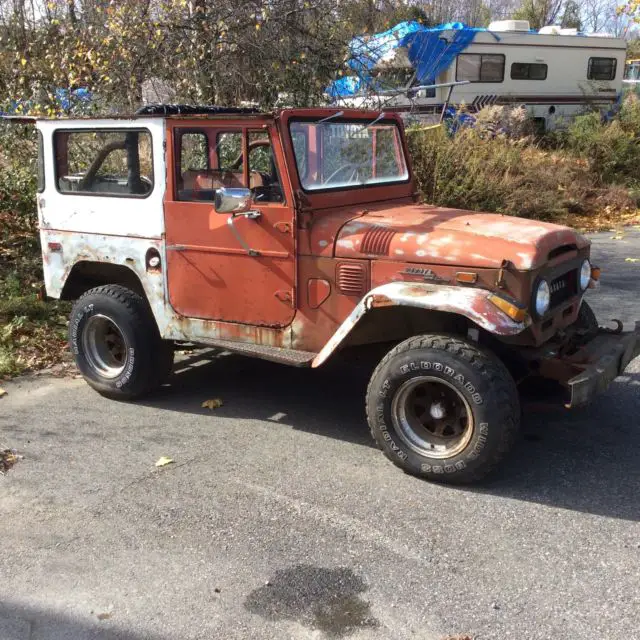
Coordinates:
99 214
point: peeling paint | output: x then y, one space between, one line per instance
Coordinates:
470 303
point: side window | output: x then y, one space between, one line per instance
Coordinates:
480 67
602 69
211 159
208 160
108 163
528 71
194 151
229 151
264 180
40 163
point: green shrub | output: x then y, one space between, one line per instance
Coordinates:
18 150
612 148
470 171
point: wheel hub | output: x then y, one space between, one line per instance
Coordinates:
105 346
432 417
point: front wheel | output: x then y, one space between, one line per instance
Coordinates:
116 345
442 408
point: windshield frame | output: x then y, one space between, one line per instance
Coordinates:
365 120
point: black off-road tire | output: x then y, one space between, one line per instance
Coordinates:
147 359
587 323
476 376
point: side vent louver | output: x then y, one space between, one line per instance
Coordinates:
351 279
377 240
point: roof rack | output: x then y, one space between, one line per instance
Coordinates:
191 110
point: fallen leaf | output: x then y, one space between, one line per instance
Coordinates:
626 260
164 461
617 237
2 392
8 457
212 404
104 616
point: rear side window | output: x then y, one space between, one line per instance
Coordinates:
528 71
106 163
602 69
40 163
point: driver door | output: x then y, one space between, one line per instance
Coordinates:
210 272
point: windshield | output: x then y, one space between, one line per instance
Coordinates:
334 155
632 72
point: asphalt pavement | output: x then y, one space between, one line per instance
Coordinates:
279 518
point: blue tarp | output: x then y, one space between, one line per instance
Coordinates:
429 54
66 100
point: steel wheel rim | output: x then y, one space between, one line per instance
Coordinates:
105 346
432 417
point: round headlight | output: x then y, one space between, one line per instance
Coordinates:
585 275
543 298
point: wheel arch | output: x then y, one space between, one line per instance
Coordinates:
399 310
87 274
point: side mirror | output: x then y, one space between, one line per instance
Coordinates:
236 200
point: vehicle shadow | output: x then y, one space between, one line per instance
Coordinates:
586 459
23 622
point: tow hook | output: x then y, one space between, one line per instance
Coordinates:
615 331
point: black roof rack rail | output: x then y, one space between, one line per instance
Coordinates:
191 110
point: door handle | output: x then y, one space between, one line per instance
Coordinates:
251 215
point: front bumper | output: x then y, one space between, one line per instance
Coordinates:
604 359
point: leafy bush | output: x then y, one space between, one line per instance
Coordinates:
613 148
499 166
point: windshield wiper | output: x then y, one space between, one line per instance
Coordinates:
380 117
331 117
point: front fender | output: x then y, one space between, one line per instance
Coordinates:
473 304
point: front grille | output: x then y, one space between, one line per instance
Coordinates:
563 288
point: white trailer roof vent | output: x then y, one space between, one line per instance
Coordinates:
555 30
509 25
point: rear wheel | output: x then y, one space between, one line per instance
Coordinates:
441 408
116 345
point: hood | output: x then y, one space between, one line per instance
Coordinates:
436 235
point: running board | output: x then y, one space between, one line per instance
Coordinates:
291 357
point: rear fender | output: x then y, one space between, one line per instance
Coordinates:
473 304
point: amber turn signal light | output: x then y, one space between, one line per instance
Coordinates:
595 273
514 311
468 277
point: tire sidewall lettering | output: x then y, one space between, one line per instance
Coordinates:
74 329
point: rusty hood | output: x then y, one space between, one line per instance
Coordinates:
437 235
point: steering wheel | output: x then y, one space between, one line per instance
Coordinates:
345 167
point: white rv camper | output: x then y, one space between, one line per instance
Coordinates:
556 73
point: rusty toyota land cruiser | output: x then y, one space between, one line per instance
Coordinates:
295 235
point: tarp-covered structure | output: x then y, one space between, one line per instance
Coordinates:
424 49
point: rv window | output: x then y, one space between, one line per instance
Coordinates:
602 69
106 163
528 71
480 67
